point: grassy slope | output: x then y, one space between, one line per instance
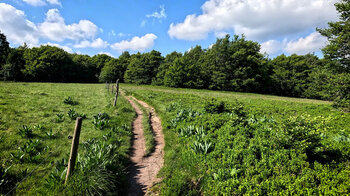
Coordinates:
183 165
37 104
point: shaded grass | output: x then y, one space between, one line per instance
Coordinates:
37 104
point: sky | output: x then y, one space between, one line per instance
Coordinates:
113 26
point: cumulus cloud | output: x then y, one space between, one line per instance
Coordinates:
97 43
136 43
158 15
66 48
54 2
16 27
106 53
309 44
42 2
261 20
272 47
54 28
312 43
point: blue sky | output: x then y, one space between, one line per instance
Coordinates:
112 26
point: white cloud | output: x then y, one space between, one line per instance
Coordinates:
312 43
54 28
158 15
42 2
136 43
66 48
16 27
143 23
261 20
272 47
54 2
112 33
97 43
107 53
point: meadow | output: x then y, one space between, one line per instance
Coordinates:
36 122
228 143
217 142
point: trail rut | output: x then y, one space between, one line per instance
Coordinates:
143 171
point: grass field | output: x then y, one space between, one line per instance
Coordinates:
221 143
41 107
243 143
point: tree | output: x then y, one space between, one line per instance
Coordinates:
235 65
143 68
48 64
15 63
291 74
338 35
4 49
84 68
185 71
163 67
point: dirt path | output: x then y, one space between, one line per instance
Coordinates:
143 171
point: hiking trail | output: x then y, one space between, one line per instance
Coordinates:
144 169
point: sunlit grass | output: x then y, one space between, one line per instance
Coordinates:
35 104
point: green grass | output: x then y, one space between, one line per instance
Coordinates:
33 104
261 145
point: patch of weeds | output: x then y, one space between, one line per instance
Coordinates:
202 147
74 114
57 175
101 120
29 152
70 101
59 118
49 133
26 131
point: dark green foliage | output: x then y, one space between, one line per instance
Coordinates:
48 63
8 179
72 114
214 107
59 118
143 67
256 155
101 120
184 71
4 48
57 176
15 63
291 74
164 67
341 85
70 101
26 131
338 35
29 152
235 65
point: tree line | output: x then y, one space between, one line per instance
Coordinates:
230 64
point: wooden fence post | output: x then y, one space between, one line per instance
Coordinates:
116 93
74 149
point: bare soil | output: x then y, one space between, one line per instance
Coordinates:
144 169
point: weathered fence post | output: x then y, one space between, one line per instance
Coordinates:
116 92
74 149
